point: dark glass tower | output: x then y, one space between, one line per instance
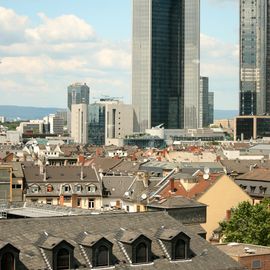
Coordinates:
165 67
254 57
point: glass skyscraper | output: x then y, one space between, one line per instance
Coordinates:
254 57
165 66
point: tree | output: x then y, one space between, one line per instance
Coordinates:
248 224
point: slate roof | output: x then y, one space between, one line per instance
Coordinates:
104 164
116 186
25 233
59 174
259 174
243 166
175 202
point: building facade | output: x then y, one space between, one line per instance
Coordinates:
165 67
203 102
53 124
79 123
254 57
77 93
109 119
210 108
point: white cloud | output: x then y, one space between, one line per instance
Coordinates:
65 28
12 26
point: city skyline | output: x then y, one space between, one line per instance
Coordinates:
95 54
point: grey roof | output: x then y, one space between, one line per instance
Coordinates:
168 234
243 166
25 234
60 174
116 186
175 202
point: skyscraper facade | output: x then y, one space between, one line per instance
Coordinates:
254 57
77 93
203 102
165 66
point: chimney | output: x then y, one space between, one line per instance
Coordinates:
228 215
172 184
45 174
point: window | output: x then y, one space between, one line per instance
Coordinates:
62 259
49 201
92 188
256 264
35 189
67 198
141 253
66 188
78 188
79 202
91 203
8 262
18 186
252 189
49 188
180 250
102 256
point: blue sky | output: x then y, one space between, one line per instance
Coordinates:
47 45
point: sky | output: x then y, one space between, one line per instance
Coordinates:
45 45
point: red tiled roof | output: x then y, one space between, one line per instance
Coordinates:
200 187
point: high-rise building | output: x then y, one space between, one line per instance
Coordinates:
203 102
79 123
165 65
210 108
254 57
109 119
77 93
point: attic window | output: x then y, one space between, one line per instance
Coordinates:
8 261
141 253
63 259
49 188
78 188
102 258
66 188
180 250
92 188
35 189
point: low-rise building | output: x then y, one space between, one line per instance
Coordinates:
249 256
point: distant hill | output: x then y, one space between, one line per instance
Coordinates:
225 114
25 113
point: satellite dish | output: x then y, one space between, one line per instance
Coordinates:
206 170
144 196
206 176
127 193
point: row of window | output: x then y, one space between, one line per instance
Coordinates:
65 188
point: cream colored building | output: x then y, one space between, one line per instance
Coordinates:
223 195
79 123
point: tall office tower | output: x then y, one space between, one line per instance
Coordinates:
79 123
210 108
254 57
165 64
78 93
203 102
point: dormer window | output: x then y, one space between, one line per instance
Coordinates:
137 247
35 189
180 250
102 257
78 188
98 248
141 253
66 188
8 261
92 188
177 244
49 188
63 259
9 256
